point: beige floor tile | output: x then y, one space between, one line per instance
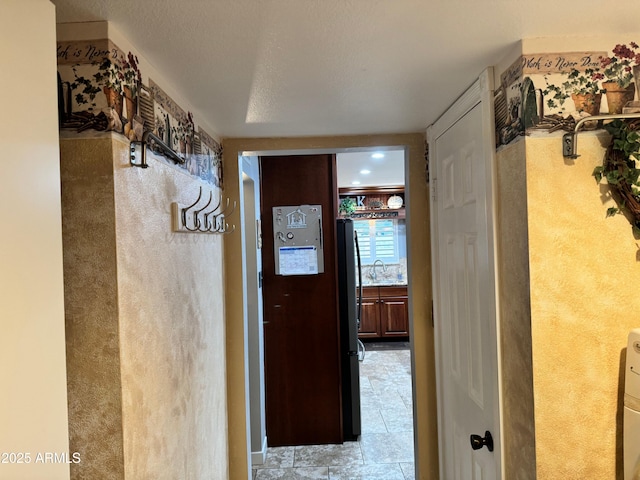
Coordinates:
279 457
367 472
306 473
385 448
409 470
348 453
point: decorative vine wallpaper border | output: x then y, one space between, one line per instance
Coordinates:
545 92
101 90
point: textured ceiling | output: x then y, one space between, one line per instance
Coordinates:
258 68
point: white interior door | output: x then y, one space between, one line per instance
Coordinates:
464 279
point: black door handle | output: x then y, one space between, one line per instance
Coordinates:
477 442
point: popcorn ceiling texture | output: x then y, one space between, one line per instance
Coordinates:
580 269
145 321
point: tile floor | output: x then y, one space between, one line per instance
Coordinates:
384 451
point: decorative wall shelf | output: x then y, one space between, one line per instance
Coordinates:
372 202
382 213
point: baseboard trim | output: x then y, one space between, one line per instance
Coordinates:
258 458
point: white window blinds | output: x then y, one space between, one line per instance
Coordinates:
378 240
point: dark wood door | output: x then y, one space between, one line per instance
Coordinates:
301 325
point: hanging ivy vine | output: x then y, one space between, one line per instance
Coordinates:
621 169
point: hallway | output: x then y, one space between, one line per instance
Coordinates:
385 448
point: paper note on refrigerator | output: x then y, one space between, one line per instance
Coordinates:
298 260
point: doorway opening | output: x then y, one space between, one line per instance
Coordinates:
387 440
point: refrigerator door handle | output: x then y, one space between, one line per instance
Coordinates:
359 310
361 351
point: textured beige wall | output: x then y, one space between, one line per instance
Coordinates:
33 394
584 269
172 340
420 291
153 367
515 313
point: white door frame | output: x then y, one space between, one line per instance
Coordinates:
481 92
254 308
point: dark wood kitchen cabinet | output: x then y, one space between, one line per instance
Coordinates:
370 313
385 312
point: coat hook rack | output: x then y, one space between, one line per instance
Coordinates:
570 140
193 219
140 146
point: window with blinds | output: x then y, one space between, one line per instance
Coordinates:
378 240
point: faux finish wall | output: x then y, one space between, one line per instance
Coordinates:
33 397
567 305
148 396
584 269
91 307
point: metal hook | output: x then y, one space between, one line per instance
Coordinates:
225 225
224 209
196 222
207 223
226 229
222 227
196 213
206 219
232 208
214 226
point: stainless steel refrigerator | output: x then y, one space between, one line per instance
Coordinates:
351 349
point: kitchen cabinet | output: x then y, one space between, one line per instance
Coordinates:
385 312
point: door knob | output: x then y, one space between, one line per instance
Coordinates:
477 442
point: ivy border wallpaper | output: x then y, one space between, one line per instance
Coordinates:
100 90
545 93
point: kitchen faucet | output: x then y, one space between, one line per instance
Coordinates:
372 273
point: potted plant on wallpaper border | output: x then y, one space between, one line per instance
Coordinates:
582 86
617 76
110 76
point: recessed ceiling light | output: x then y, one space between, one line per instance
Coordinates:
355 182
377 155
365 172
